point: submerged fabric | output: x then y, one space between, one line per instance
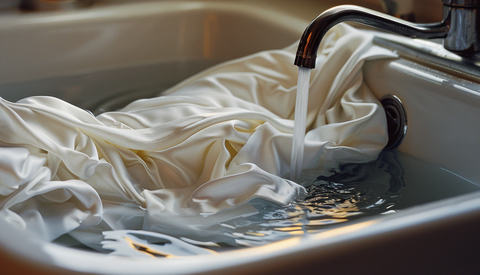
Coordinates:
195 155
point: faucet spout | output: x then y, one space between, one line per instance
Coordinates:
314 33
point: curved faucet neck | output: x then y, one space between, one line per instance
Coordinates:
314 33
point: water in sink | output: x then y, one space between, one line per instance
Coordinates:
353 192
111 89
392 183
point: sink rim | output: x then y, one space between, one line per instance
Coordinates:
50 56
317 246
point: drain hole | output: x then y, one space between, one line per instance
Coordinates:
396 121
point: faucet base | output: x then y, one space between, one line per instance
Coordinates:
464 21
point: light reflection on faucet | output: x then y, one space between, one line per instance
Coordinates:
458 28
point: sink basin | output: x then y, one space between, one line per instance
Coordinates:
91 56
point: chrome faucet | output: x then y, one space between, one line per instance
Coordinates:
459 28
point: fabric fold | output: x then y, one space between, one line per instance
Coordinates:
194 155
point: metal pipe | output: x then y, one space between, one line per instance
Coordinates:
314 33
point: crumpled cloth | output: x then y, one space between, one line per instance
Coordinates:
196 154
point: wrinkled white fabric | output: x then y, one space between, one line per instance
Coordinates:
194 155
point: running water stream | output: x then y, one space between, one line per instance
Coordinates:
301 104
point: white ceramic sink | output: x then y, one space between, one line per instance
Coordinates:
88 57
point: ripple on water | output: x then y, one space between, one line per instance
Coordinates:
352 191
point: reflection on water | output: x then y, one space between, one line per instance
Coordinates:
355 190
108 90
143 244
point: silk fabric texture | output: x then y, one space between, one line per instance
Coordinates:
194 155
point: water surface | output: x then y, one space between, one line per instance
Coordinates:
386 186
